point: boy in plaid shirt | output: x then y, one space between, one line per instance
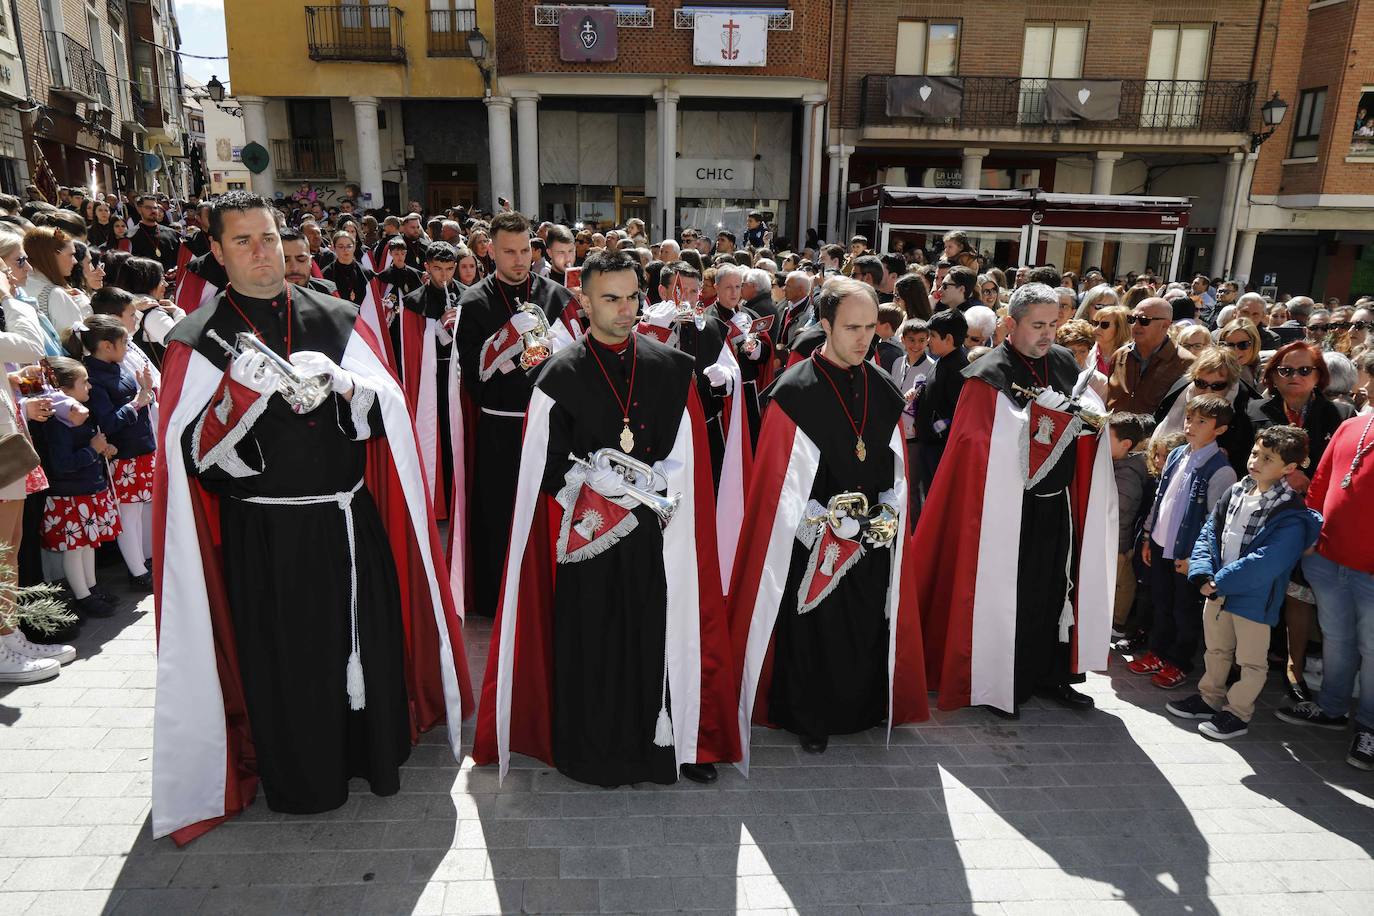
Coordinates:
1241 562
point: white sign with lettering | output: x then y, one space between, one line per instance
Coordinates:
734 174
730 40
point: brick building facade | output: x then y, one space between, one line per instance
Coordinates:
1190 78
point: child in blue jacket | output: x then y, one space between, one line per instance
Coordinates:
1241 563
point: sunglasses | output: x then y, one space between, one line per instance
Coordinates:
1290 371
1316 329
22 260
1211 386
948 285
1241 345
1361 325
1104 325
1143 320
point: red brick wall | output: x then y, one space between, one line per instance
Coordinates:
1118 40
523 47
1320 48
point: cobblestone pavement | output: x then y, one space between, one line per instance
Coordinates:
1122 810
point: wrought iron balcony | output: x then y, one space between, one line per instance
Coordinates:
1000 101
448 32
73 69
308 160
355 31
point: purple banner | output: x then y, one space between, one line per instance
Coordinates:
587 35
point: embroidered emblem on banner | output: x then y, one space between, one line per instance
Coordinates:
1044 436
587 33
592 524
831 557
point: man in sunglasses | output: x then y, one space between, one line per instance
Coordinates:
1145 369
1252 306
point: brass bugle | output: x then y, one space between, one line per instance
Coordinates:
639 480
303 393
537 346
1090 417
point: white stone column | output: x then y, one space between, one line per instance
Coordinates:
527 124
255 131
498 146
1226 215
842 220
807 205
832 204
369 149
666 217
1245 255
1104 168
971 170
817 152
1241 222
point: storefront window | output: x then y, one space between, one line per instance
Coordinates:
1121 251
712 214
999 246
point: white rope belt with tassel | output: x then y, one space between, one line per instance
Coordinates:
357 695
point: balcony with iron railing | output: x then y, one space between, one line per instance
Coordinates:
1010 102
308 159
354 32
448 32
73 70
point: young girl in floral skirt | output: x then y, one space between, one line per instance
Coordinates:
80 513
120 402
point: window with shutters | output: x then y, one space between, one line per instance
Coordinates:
1175 75
1050 50
1307 128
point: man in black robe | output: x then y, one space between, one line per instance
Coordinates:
633 613
352 280
825 587
679 283
150 238
753 351
307 560
1050 599
558 246
296 254
489 347
431 309
398 278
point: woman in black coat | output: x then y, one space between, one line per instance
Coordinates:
1213 367
1295 378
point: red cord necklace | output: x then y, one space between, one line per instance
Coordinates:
1040 382
229 295
501 288
860 450
627 438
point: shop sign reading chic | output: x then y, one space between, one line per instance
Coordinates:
733 174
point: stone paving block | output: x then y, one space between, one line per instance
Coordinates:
593 863
68 903
523 863
482 897
561 895
52 873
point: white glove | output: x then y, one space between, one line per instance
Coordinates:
1053 400
719 377
311 362
661 314
606 481
252 370
848 527
524 322
889 498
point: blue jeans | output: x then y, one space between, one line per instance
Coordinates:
1345 610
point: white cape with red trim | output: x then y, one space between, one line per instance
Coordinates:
684 598
791 501
971 523
734 470
190 745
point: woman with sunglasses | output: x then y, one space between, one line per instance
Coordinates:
1099 297
1215 371
1294 380
1193 337
1112 332
1242 337
989 293
1360 325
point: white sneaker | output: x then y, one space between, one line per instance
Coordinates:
25 646
20 669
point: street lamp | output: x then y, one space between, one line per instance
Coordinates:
477 47
215 91
1271 112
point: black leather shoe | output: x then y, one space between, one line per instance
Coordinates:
143 583
814 745
1299 691
1066 696
704 773
1013 715
104 594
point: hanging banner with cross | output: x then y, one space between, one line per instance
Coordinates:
730 40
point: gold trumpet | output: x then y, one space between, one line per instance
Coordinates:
639 480
880 526
696 314
303 393
1092 418
537 346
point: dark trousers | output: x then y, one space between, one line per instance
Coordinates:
1177 625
